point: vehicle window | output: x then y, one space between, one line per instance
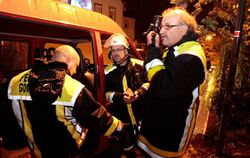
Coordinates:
52 45
88 66
87 51
13 55
85 47
46 53
106 59
86 70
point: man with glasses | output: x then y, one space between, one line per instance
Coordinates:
175 75
125 86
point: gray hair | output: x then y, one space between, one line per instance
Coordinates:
185 17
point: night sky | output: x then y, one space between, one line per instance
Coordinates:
144 10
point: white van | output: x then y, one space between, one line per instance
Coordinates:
29 25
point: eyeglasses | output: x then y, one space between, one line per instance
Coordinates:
117 50
167 26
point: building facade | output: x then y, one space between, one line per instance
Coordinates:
110 8
114 10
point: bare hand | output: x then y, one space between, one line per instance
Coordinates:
150 39
129 97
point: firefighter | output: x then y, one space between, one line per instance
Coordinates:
54 110
125 86
175 76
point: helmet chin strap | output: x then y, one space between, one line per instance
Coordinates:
122 61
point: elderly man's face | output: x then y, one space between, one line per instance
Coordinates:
172 30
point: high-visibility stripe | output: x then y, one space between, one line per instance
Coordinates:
192 48
70 92
73 127
129 106
28 130
109 68
153 63
145 85
109 96
18 89
154 151
136 61
190 121
113 127
152 71
190 124
164 55
131 114
18 86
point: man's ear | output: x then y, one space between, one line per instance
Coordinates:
185 29
110 56
126 51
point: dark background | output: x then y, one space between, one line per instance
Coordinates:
144 10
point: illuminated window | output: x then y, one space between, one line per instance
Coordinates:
87 4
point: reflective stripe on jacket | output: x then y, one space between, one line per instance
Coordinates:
18 92
170 108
